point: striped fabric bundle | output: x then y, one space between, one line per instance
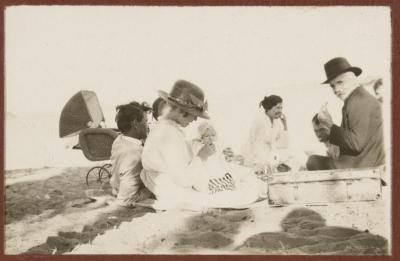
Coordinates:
221 184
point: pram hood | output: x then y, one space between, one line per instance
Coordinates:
82 111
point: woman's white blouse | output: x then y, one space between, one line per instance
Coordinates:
265 142
168 163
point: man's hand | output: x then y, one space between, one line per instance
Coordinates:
206 151
325 118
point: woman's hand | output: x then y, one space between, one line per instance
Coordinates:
283 119
206 151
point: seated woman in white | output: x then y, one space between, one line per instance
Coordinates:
169 167
267 146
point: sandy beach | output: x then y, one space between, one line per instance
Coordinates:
48 211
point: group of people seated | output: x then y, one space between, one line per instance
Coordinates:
159 162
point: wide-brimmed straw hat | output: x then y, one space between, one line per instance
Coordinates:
187 96
337 66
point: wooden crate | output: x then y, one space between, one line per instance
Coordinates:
325 186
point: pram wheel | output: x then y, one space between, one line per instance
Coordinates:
98 174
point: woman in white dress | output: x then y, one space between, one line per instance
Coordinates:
266 149
170 168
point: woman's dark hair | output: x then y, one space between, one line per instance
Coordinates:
271 101
156 107
315 119
127 113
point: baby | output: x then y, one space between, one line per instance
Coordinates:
213 175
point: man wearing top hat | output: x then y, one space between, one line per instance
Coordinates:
360 136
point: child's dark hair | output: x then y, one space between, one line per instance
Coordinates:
143 106
126 113
271 101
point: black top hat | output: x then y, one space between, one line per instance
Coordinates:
188 96
337 66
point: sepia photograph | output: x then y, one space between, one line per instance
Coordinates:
197 130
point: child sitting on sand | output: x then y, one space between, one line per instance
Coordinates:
216 174
126 154
213 175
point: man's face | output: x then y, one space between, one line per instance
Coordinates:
276 111
343 84
321 132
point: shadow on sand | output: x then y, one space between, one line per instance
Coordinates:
65 241
58 195
304 232
53 195
214 229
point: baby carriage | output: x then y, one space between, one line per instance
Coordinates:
82 116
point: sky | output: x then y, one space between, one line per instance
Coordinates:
237 55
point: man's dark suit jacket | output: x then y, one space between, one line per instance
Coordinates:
360 136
